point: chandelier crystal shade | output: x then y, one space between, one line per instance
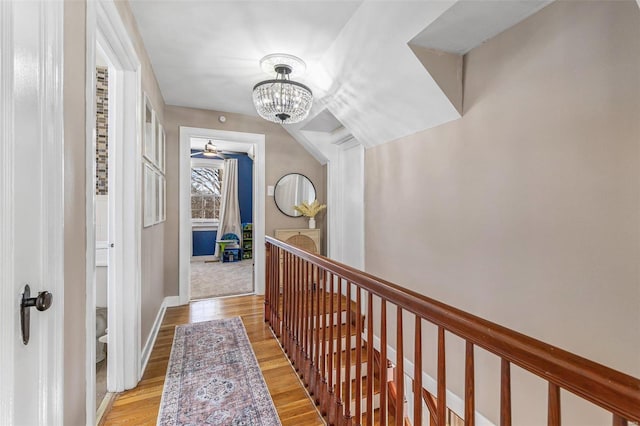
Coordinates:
282 100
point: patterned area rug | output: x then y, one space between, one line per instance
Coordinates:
214 378
214 279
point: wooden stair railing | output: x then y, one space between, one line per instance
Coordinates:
322 312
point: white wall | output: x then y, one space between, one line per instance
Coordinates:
102 248
346 195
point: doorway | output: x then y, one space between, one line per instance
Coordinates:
221 189
108 39
234 141
104 200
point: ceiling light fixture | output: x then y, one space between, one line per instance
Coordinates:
282 100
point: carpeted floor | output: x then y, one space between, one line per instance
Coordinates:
213 378
214 279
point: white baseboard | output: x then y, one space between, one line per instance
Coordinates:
168 302
171 301
205 258
454 402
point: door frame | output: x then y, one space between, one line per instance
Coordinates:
50 120
7 296
106 28
185 236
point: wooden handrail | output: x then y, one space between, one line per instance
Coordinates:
612 390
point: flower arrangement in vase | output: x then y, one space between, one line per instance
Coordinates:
310 210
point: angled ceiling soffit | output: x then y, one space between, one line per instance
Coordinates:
322 136
316 146
376 86
323 122
442 44
447 71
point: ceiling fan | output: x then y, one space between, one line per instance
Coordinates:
210 151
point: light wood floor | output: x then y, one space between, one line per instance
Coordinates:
139 406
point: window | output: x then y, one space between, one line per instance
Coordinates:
206 193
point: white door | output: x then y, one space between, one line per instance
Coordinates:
31 209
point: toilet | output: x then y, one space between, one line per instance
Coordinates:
101 334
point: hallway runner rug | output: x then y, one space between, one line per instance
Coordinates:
213 378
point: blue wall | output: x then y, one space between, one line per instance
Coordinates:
204 242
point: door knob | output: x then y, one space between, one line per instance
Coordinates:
42 302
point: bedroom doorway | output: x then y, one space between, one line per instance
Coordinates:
230 144
221 189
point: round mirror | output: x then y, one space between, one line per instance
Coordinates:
291 190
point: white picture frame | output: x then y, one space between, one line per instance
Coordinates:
160 147
162 191
149 131
153 163
159 201
150 195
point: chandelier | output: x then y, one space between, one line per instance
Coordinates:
282 100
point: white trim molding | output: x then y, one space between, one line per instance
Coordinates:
171 301
90 253
52 125
106 31
344 156
185 229
168 302
454 402
345 211
8 300
205 258
153 334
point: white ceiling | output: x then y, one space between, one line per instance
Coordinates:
206 53
363 74
221 145
474 22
